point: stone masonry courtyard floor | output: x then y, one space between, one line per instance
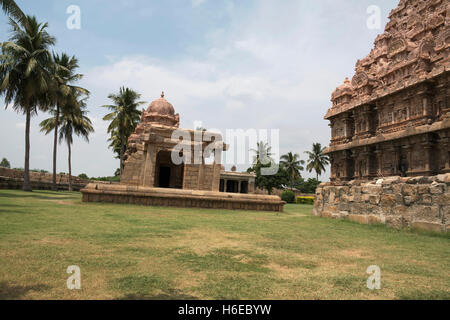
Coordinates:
133 252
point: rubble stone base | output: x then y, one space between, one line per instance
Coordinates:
415 202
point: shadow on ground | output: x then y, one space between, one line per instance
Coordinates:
11 292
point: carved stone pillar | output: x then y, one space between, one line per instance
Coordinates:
349 126
379 156
349 165
427 147
364 158
408 150
355 156
149 171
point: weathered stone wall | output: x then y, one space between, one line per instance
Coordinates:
414 202
13 179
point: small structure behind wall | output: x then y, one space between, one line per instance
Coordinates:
237 182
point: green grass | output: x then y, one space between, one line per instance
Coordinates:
133 252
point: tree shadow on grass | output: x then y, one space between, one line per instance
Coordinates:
170 294
12 292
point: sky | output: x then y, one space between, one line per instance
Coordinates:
229 64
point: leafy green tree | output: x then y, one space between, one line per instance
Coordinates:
64 76
5 163
24 76
263 159
269 182
308 186
288 196
317 160
83 176
293 165
124 118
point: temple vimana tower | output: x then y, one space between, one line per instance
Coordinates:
393 116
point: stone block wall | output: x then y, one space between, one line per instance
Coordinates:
413 202
201 177
13 179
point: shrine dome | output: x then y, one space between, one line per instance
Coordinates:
345 89
161 112
161 106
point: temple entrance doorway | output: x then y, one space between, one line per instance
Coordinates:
164 177
167 174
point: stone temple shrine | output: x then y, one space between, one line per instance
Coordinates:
151 177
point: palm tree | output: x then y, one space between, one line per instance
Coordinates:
24 76
63 73
74 120
11 8
293 165
317 160
115 143
263 153
124 117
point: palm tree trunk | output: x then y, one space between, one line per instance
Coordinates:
55 144
26 177
70 167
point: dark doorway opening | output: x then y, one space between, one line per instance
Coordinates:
244 187
164 177
232 186
167 174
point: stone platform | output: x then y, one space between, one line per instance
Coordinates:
411 202
117 193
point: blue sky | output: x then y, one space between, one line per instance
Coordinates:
231 64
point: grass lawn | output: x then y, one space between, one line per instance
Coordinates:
133 252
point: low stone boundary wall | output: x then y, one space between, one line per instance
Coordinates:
13 179
179 198
413 202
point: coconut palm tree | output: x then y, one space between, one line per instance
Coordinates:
293 165
74 120
124 117
115 143
11 8
317 160
24 76
263 153
63 73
